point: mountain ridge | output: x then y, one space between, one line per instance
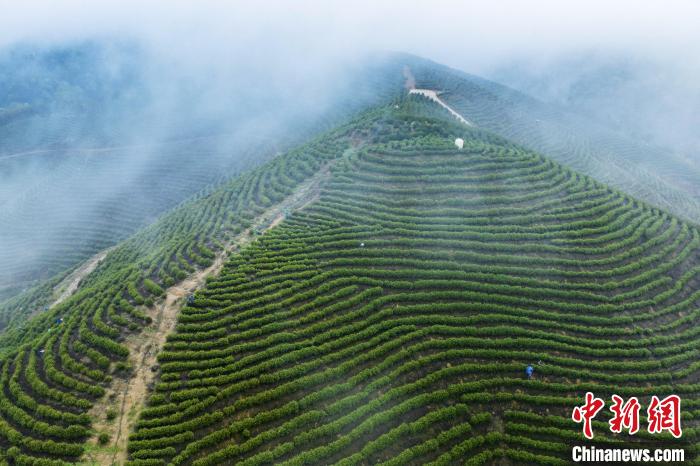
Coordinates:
470 258
34 255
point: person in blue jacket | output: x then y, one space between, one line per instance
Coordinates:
529 371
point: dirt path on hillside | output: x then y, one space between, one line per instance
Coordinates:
128 395
70 284
433 95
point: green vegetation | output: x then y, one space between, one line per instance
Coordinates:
111 414
56 365
103 438
650 173
131 198
390 321
86 163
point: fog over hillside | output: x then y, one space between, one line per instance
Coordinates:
653 98
112 113
367 232
99 138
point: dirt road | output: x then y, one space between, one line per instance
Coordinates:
128 395
433 95
70 284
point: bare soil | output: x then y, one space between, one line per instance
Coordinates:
127 395
433 95
70 284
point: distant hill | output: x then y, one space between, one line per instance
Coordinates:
94 147
651 99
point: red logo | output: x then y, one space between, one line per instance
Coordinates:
663 415
587 412
624 415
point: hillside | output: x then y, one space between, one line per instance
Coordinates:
93 147
82 178
390 322
656 174
86 161
649 98
380 294
57 365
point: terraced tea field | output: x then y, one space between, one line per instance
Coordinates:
650 173
69 205
57 365
389 321
76 181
